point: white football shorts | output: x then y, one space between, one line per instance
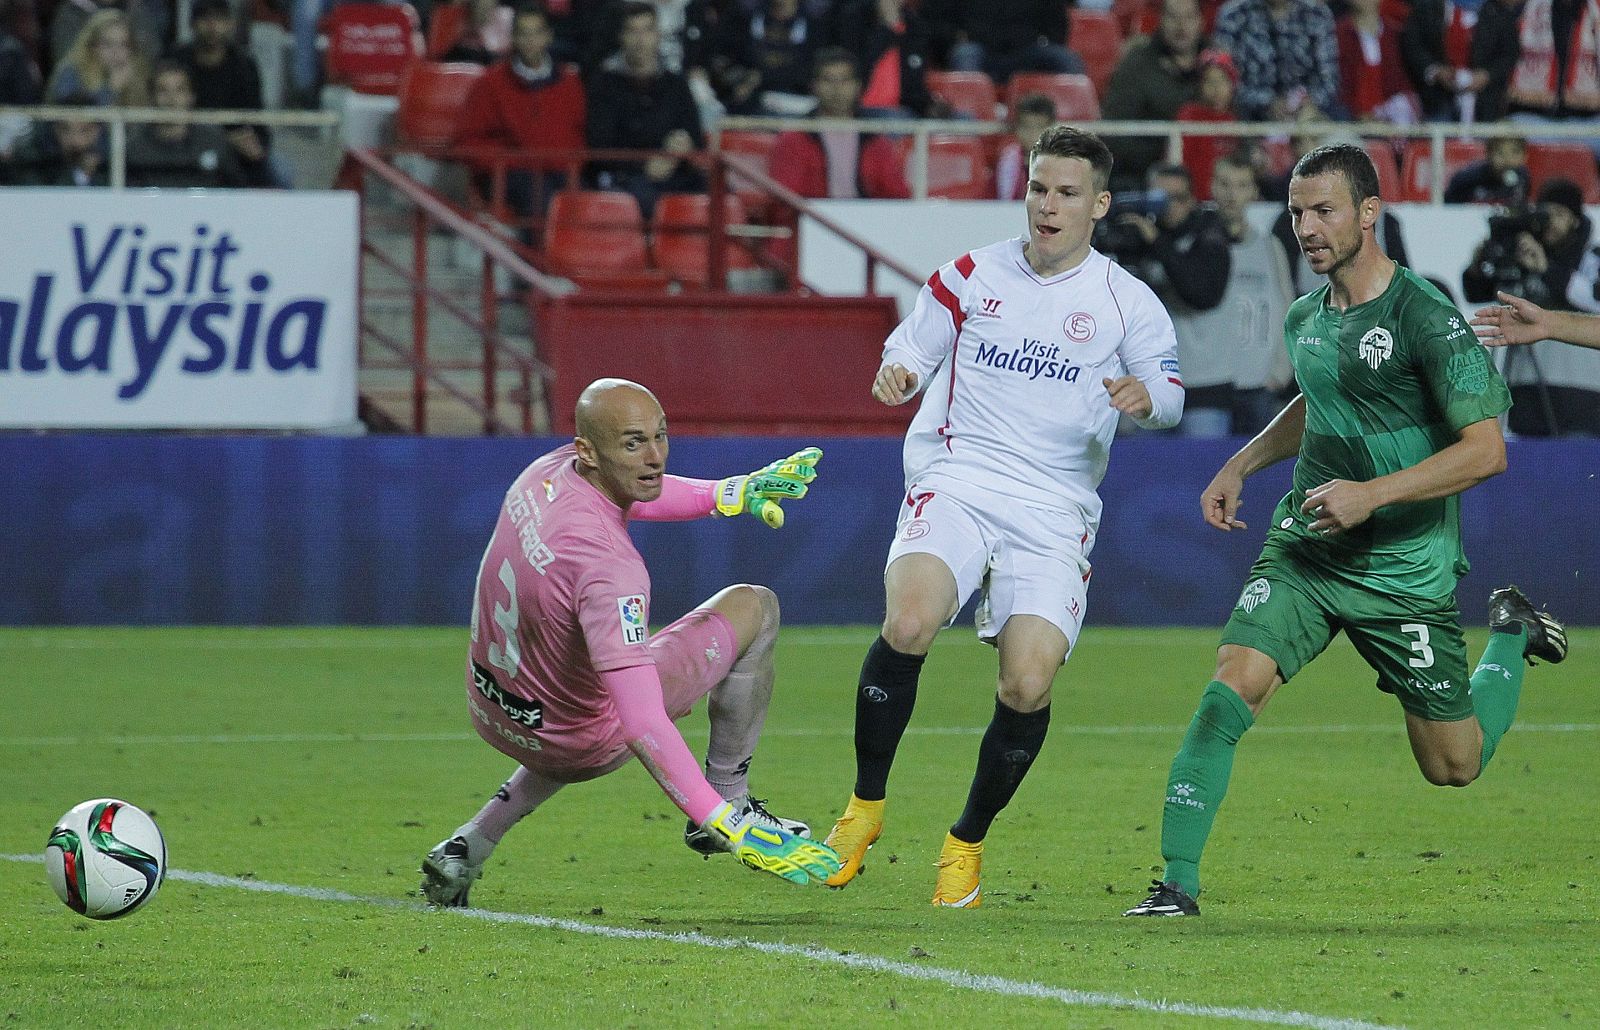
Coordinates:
1027 559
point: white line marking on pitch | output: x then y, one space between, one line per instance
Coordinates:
697 733
950 977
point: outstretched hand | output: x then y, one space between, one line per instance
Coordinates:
1511 321
759 492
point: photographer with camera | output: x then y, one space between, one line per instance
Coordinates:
1182 250
1535 253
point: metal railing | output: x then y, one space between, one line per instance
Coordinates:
117 120
921 129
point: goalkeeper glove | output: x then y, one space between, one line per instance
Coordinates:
759 493
769 849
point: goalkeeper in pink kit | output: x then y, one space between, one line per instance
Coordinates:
563 674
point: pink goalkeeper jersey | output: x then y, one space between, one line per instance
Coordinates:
562 594
1011 366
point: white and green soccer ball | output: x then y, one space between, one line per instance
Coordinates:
105 858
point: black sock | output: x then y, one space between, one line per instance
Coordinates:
1010 745
884 698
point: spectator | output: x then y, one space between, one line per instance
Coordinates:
1002 36
1035 113
1157 75
1454 51
1557 76
526 102
103 65
1547 259
19 76
1372 77
486 37
225 78
70 152
635 103
1495 49
1287 54
1218 81
179 154
891 42
783 45
146 21
1234 362
838 163
1501 178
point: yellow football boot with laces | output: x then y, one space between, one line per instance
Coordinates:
957 886
852 835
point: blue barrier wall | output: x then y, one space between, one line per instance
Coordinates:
170 529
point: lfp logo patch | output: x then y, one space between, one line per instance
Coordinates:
630 611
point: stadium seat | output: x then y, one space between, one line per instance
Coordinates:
1076 100
679 239
968 93
432 97
959 167
1383 159
1573 161
755 147
1097 38
370 45
1416 168
596 238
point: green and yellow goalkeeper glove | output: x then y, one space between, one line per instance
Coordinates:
758 493
771 850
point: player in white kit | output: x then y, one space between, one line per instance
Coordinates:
563 674
1025 353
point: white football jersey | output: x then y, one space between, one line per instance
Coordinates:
1011 370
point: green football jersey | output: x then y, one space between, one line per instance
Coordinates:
1387 384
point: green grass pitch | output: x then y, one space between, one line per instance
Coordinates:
1339 885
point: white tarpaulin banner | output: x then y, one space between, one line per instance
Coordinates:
178 309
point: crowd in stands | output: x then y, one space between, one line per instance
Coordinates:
542 85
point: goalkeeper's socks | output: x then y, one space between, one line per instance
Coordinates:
1010 745
1199 780
738 705
1497 684
885 696
525 791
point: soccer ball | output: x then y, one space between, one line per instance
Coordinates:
105 858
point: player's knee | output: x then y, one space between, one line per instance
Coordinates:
753 611
1026 692
909 632
1451 773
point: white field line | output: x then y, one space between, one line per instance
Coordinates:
957 978
696 733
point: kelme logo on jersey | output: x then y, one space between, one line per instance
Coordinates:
1469 371
1377 346
1255 593
630 610
1034 359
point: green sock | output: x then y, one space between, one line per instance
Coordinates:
1497 685
1199 780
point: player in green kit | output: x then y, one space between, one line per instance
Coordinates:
1398 415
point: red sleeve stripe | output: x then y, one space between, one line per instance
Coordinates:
1174 382
942 294
965 265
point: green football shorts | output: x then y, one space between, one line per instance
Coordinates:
1290 610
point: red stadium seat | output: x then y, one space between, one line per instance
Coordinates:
596 238
679 239
1383 159
1097 38
1416 169
1572 161
754 146
370 45
968 93
1076 100
432 97
959 167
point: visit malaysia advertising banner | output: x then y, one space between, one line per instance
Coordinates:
178 309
